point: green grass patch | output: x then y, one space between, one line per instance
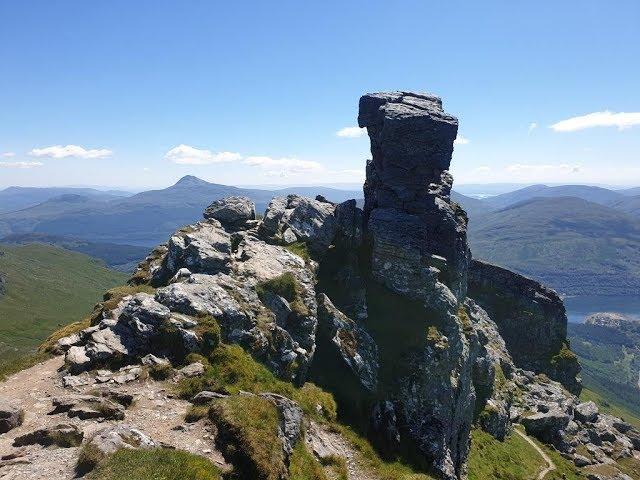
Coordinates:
337 466
248 435
161 371
511 459
304 466
208 330
300 249
231 369
45 287
196 412
630 466
287 287
370 460
156 464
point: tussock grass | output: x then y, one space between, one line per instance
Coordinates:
231 369
157 464
287 287
248 434
304 466
300 249
161 371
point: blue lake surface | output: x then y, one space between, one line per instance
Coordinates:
578 308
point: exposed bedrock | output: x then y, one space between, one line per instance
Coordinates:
418 235
418 250
531 319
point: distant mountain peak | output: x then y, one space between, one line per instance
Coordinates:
190 180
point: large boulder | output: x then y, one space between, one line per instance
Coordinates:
302 219
108 441
201 248
232 212
586 412
129 333
546 425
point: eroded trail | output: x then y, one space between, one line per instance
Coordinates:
550 465
154 410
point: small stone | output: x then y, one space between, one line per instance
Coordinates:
586 412
111 439
581 460
289 237
11 416
75 380
192 370
205 397
151 360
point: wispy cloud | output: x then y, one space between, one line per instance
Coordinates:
187 155
283 167
532 127
7 154
20 164
621 120
351 132
461 140
537 169
59 151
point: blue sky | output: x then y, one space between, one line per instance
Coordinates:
115 93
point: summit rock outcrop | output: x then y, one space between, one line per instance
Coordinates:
418 249
382 306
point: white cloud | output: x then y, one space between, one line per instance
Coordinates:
461 140
7 155
621 120
535 169
351 132
59 151
532 127
186 155
482 170
20 164
283 167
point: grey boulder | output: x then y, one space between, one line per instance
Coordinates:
11 416
231 212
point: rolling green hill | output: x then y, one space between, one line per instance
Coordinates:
45 287
610 358
576 246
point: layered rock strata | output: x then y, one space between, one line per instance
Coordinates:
418 249
531 319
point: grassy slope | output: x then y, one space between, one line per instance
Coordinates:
610 361
159 464
608 405
513 459
576 246
46 287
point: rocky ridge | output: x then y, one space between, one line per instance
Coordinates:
389 294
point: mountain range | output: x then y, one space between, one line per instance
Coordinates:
537 230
